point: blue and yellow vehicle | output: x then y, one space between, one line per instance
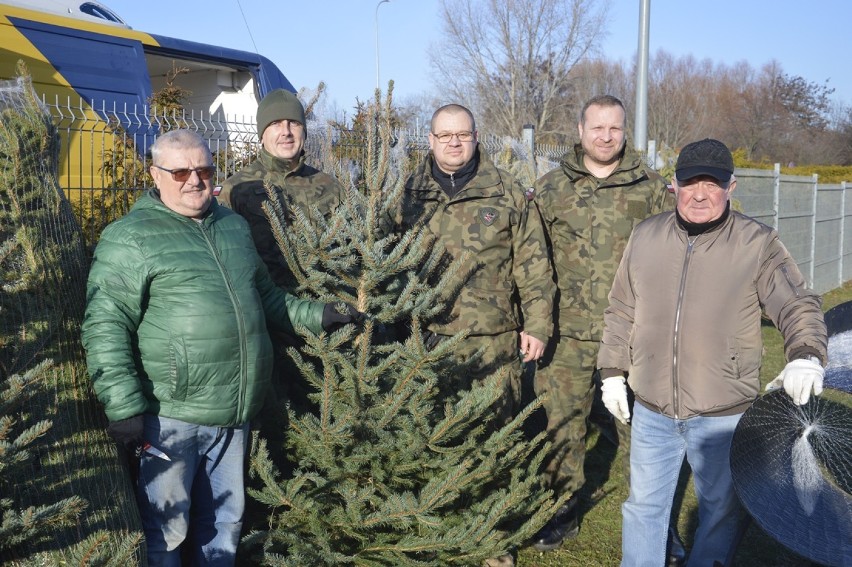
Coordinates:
87 63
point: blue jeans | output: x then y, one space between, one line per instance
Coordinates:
205 475
657 448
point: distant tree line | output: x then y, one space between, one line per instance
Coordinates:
518 62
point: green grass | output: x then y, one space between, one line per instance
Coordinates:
599 541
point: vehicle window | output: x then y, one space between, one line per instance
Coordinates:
99 11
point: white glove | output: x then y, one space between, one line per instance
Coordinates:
614 396
798 378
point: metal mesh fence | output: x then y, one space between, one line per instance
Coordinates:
103 169
43 266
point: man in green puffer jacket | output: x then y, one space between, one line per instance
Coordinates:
179 353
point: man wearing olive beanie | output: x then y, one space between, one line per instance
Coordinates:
282 130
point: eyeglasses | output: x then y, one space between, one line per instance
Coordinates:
183 174
446 137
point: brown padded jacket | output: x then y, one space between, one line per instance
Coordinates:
684 319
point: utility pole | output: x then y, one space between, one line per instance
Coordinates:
640 134
377 41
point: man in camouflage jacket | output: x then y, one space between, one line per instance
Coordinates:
281 163
471 206
589 205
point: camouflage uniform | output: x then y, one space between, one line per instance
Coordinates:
298 186
588 221
489 218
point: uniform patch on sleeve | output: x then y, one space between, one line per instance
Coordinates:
488 215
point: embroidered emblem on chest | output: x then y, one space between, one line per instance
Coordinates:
488 215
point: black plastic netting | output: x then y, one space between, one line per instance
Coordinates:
792 465
838 371
43 268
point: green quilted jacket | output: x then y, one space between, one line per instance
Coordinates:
177 313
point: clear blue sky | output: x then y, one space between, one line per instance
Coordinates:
335 40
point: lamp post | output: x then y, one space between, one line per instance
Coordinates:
377 40
640 131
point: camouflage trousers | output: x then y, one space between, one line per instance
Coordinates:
566 374
497 351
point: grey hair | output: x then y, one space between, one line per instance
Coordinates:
177 140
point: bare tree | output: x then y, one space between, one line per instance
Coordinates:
841 124
681 99
774 116
510 59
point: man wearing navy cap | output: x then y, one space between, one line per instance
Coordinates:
683 327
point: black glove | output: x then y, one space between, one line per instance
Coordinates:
128 431
332 319
431 340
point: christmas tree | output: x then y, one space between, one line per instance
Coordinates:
64 497
395 466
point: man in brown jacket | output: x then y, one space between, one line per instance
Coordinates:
684 325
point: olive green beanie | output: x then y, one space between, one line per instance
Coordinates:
279 104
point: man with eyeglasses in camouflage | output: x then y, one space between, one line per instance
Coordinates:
473 207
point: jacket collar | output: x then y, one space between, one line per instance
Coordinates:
695 228
629 168
278 165
486 182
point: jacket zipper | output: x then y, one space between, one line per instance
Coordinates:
240 322
689 247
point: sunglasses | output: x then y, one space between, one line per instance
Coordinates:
183 174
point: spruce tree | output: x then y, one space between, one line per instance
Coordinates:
19 526
396 466
29 312
64 497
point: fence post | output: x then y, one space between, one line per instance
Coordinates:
528 138
815 188
651 158
776 191
841 232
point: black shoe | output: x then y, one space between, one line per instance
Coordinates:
676 556
564 525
